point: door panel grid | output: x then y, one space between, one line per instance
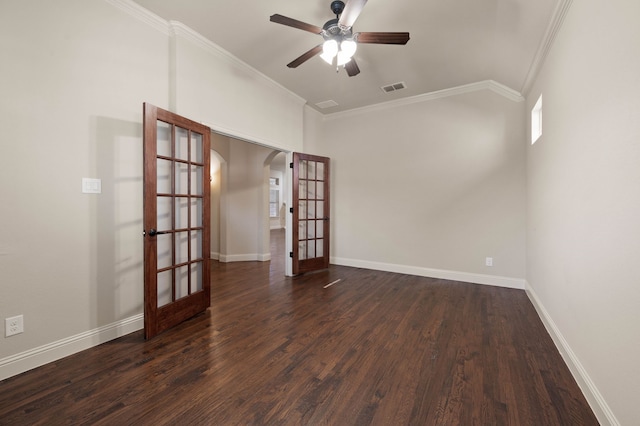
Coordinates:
176 219
311 197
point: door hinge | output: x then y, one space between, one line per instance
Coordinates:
291 165
290 209
290 254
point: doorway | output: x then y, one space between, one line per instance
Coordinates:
244 207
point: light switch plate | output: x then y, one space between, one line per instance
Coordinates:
91 186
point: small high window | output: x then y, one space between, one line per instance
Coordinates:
536 121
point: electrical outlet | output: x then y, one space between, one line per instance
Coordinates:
488 261
13 325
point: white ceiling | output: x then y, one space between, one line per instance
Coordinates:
453 43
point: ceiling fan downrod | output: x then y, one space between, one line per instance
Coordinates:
337 7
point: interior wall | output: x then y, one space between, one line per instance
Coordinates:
583 202
431 188
217 163
277 170
276 114
73 80
243 205
74 76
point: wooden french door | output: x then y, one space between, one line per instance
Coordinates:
176 219
310 213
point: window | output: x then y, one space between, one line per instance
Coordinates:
536 121
274 197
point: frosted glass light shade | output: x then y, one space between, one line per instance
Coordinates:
343 58
329 50
349 47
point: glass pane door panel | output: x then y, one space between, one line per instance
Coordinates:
302 209
311 229
165 250
311 210
196 276
163 176
196 212
182 282
182 247
182 178
311 173
302 172
196 148
182 212
197 180
320 171
196 245
302 229
164 288
319 228
163 141
302 189
182 143
311 190
302 250
319 190
319 209
163 211
319 247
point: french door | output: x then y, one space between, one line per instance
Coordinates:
176 219
310 213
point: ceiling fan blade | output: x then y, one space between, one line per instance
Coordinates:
290 22
351 12
382 38
352 68
305 57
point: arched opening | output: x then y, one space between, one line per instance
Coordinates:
241 206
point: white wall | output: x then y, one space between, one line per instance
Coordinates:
583 210
73 79
247 203
431 187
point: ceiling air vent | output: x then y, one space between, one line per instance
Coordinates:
326 104
393 87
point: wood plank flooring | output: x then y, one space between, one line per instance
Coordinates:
375 348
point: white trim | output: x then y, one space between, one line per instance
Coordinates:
249 257
494 86
135 10
494 280
36 357
557 18
592 394
214 256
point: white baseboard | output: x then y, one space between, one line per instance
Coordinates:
214 256
591 393
225 258
494 280
36 357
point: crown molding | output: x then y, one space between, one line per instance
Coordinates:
178 29
557 19
492 85
175 28
135 10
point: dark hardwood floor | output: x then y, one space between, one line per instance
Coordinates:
375 348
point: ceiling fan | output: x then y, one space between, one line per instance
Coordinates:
340 42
